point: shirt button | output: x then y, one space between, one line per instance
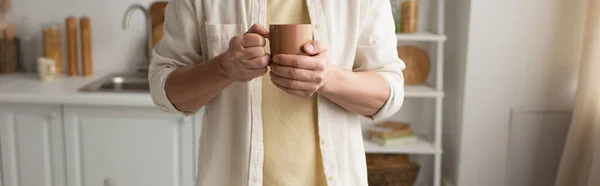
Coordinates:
318 26
324 141
331 178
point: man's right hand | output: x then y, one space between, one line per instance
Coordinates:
246 58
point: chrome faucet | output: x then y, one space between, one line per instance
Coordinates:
126 18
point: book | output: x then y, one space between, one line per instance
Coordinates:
388 130
395 141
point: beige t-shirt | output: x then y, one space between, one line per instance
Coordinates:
292 155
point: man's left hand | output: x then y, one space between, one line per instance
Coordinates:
301 75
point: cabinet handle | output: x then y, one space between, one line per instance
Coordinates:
109 182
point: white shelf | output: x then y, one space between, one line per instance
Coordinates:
420 147
421 91
420 36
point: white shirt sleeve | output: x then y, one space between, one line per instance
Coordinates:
179 47
376 51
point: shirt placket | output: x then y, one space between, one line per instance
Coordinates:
255 171
317 17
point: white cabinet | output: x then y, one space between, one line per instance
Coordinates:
1 180
56 145
124 146
31 141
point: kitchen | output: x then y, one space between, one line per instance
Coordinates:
98 128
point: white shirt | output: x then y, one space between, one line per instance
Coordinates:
360 37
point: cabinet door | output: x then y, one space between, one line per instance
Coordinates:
198 117
1 180
32 145
125 146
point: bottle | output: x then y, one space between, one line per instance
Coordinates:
7 20
71 49
29 48
53 46
86 46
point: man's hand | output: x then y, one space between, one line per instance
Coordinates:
301 75
246 58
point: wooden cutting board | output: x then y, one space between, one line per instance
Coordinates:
417 63
157 14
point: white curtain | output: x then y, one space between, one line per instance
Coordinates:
580 164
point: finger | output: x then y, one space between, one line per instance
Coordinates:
258 29
296 73
249 75
293 84
313 48
257 72
253 52
236 42
294 92
256 63
299 61
253 40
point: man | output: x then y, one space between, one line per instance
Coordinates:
285 119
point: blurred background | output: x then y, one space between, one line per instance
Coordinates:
493 89
114 49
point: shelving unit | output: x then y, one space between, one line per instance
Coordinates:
423 103
422 36
421 91
420 147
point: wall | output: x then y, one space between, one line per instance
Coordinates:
521 54
457 24
114 49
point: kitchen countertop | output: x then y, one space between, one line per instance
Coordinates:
28 89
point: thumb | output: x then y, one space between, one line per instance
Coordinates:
258 29
313 48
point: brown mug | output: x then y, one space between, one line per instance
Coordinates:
289 38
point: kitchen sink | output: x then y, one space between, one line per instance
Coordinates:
125 82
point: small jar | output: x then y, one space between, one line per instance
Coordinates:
409 16
53 45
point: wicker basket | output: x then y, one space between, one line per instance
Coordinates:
391 170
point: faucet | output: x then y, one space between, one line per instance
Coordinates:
126 18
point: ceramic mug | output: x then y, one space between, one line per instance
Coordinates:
46 69
289 38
